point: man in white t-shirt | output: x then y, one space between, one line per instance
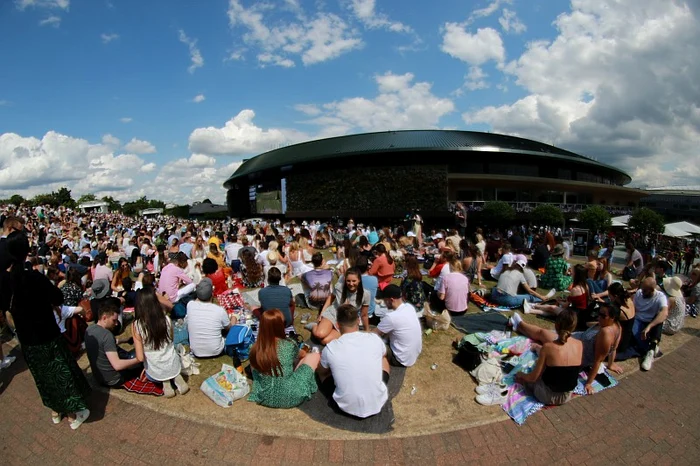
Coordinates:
402 327
651 310
206 321
354 367
231 251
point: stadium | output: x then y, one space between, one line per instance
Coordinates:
389 174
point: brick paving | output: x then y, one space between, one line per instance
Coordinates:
651 418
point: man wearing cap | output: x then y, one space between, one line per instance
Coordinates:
206 322
505 293
556 271
505 261
402 327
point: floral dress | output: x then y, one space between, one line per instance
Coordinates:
290 389
414 292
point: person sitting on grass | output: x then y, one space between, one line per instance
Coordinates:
555 375
577 299
382 266
676 306
111 365
412 286
153 343
505 293
354 368
349 291
598 278
277 382
317 283
556 271
212 271
402 327
454 290
504 261
206 322
276 296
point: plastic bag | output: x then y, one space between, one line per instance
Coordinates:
438 321
188 365
225 387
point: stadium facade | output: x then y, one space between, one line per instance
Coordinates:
388 174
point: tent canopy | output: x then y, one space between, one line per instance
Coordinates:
686 226
674 231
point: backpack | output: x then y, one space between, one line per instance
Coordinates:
240 338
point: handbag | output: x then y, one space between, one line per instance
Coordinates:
468 356
187 362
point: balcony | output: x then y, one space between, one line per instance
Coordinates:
527 207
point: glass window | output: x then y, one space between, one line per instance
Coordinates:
513 169
564 174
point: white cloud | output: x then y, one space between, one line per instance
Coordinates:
308 109
199 98
148 168
59 4
475 49
240 136
316 40
365 11
400 104
272 59
138 146
109 140
53 20
107 38
126 119
509 21
613 85
195 55
476 79
31 165
488 10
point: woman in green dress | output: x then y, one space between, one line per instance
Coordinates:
276 382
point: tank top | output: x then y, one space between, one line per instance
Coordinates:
164 363
578 302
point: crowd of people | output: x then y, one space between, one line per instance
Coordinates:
73 282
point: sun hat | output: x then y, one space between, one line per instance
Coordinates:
521 260
508 259
100 288
558 250
410 234
672 286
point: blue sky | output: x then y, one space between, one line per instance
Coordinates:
164 99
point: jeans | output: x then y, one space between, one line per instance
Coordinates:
597 286
504 299
653 338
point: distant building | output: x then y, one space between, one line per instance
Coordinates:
207 209
388 174
150 212
100 207
675 203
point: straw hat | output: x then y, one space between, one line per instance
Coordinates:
672 286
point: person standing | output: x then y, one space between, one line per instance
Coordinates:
30 298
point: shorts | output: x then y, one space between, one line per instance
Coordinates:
546 395
391 357
331 313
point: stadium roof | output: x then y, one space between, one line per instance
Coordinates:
407 141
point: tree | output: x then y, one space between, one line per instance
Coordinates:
498 212
595 218
207 201
112 204
547 214
133 207
16 199
63 198
646 222
86 198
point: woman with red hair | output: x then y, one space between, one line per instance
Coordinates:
276 382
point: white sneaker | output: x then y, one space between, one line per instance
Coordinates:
648 360
80 417
490 387
516 319
492 398
310 326
527 307
551 294
7 362
168 391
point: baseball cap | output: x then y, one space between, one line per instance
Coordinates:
508 259
204 289
521 260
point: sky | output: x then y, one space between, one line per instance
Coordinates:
131 98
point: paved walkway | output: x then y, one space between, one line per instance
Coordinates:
650 418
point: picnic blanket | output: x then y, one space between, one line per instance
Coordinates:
487 306
473 323
520 404
322 408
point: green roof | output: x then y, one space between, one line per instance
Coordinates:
407 141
